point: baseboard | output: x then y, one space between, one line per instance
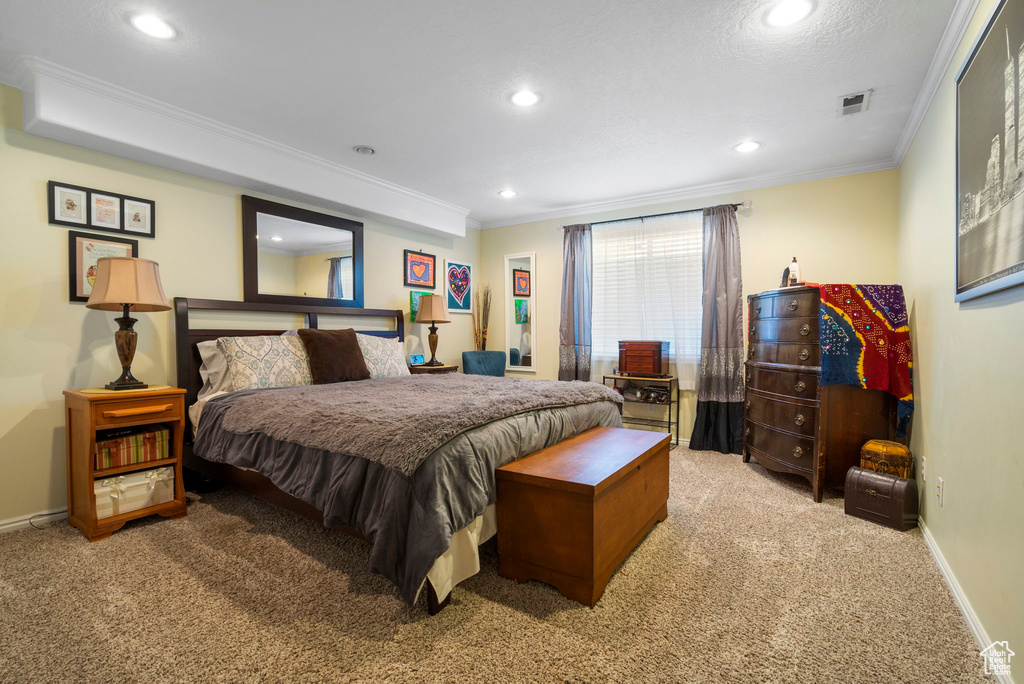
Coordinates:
12 524
977 630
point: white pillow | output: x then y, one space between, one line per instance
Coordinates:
384 357
214 370
265 361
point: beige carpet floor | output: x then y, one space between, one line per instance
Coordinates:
747 581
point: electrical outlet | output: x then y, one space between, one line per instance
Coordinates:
939 491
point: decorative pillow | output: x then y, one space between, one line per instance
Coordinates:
384 357
334 355
265 361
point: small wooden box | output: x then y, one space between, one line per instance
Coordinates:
643 358
888 457
884 499
571 513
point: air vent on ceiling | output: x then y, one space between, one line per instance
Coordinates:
854 103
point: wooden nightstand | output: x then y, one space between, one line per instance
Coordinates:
87 413
417 370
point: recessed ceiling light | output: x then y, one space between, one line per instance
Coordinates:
748 146
153 25
525 98
364 149
508 194
788 12
277 238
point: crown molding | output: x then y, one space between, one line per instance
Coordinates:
956 27
73 107
693 192
475 225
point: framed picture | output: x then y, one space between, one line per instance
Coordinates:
520 283
522 310
414 304
458 285
420 270
84 250
68 205
416 360
990 158
139 216
104 211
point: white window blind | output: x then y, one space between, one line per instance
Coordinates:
647 286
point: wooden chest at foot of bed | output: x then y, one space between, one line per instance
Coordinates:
570 514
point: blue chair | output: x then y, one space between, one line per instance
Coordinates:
514 358
484 363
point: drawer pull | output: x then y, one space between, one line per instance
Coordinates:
805 329
758 309
748 403
140 411
798 452
750 353
753 330
792 306
748 378
800 386
804 355
799 420
746 431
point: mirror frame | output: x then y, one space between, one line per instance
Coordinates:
251 206
510 313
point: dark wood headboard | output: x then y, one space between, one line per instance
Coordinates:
187 337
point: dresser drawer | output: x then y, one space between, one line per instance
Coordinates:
781 415
804 329
795 452
787 383
788 353
761 307
136 411
802 304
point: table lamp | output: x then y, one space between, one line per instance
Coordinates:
433 310
127 284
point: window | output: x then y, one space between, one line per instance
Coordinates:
647 286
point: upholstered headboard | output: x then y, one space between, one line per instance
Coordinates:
187 337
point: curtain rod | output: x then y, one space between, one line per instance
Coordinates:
745 204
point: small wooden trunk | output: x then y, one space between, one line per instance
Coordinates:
569 514
884 499
891 458
643 358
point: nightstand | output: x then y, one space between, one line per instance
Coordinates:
417 370
86 414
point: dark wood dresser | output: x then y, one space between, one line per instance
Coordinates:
792 424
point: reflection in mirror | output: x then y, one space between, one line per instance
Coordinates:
305 259
298 256
520 286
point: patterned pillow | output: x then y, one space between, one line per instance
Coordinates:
265 361
384 357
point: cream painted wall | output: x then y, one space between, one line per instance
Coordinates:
314 272
967 381
840 229
50 344
278 273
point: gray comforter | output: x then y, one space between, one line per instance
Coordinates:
409 518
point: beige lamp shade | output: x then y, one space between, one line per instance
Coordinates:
127 280
433 309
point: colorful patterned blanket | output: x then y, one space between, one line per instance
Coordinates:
865 341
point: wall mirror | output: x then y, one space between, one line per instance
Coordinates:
520 291
297 256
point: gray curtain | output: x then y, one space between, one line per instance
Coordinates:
719 422
335 288
577 295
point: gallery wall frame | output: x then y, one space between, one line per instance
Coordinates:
76 206
84 249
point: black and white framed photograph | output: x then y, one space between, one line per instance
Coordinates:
139 216
68 205
990 158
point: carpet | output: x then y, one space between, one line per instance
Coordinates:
747 581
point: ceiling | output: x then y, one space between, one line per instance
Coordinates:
637 98
299 238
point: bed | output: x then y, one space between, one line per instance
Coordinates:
423 511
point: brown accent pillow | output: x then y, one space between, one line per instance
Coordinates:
334 355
